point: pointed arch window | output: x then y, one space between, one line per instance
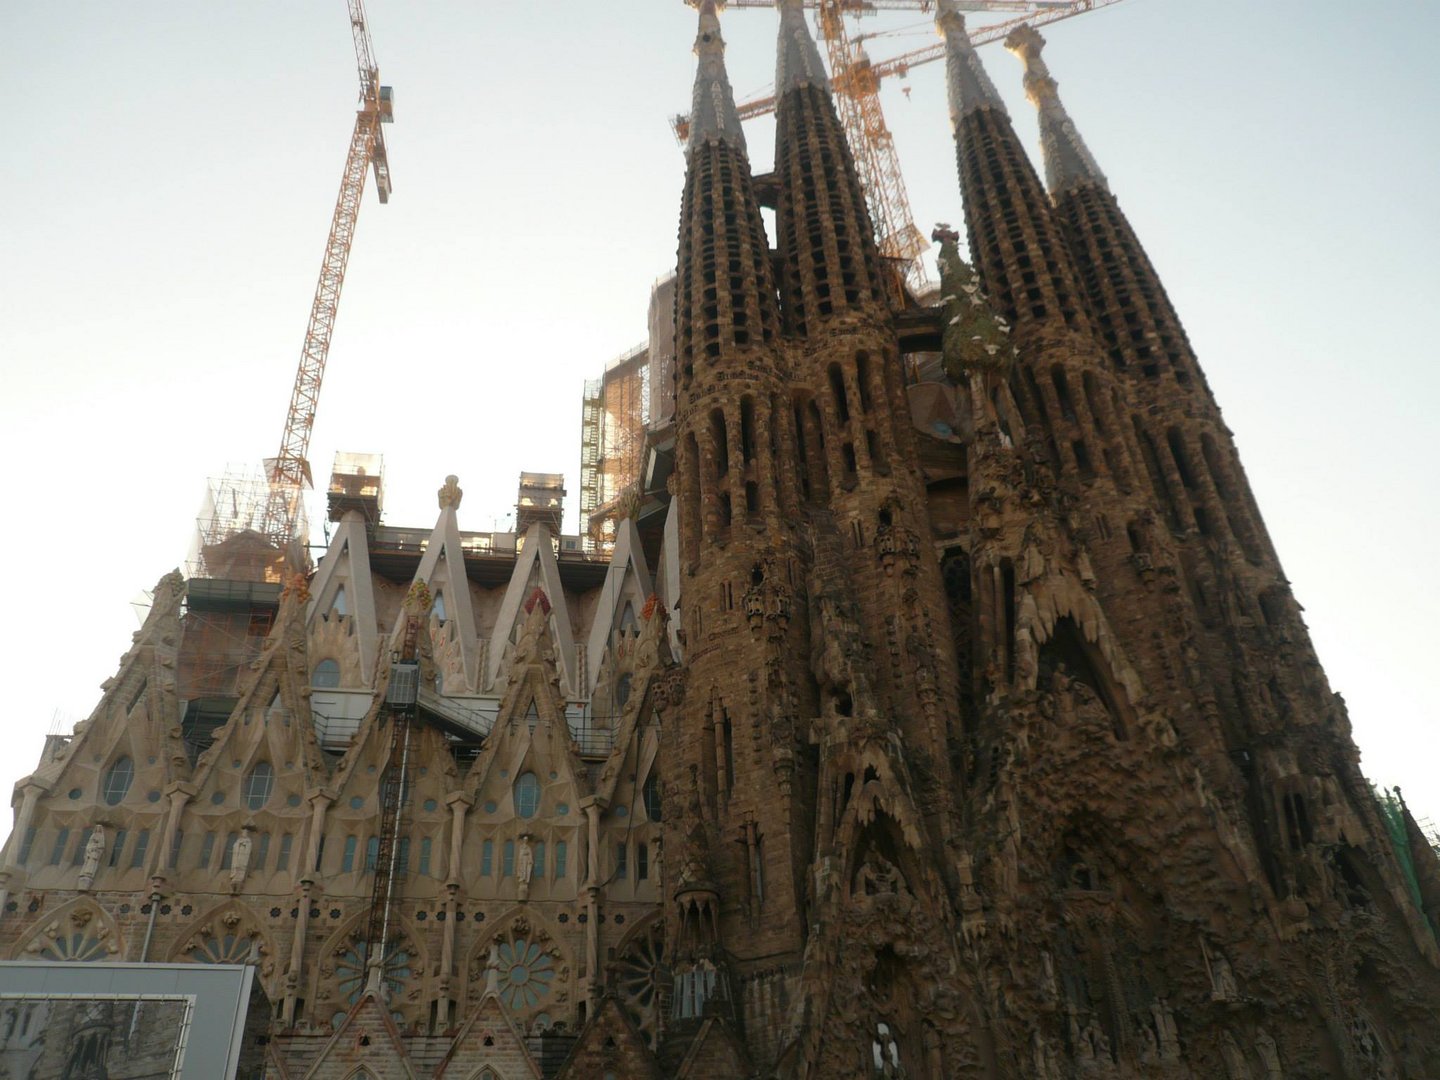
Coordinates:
341 604
651 792
117 781
439 607
327 675
527 795
259 784
628 624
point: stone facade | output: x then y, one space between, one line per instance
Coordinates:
966 727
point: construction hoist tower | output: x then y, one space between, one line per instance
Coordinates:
402 695
289 472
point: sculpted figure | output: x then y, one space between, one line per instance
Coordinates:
1165 1031
240 860
1236 1067
1269 1055
94 851
524 866
1222 980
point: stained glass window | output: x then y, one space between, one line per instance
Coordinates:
117 781
527 795
258 785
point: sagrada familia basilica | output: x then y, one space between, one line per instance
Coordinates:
941 719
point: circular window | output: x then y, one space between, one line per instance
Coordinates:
75 793
356 802
154 796
292 800
490 807
117 781
527 795
259 784
430 805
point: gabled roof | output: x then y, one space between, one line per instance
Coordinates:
536 562
627 581
366 1034
346 564
489 1038
610 1041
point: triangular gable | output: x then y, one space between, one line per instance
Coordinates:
610 1043
714 1052
443 569
627 582
514 740
366 1035
346 565
276 688
488 1039
138 713
636 741
537 561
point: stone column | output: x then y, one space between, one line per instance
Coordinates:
179 793
445 999
592 810
319 804
296 968
590 986
30 792
460 804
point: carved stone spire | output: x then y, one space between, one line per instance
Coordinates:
797 60
1068 160
712 110
970 88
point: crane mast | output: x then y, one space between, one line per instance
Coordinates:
289 471
856 81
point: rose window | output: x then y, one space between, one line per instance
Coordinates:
79 946
226 949
638 974
350 970
526 972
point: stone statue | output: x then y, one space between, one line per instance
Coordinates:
1222 980
240 860
1165 1031
877 875
94 851
1269 1055
492 970
524 866
1236 1067
449 495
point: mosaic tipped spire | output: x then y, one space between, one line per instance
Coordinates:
797 59
970 87
712 111
1068 160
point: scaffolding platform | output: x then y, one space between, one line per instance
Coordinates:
357 482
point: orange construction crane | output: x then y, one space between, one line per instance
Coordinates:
289 471
856 80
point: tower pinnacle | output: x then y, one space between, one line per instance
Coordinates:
797 60
970 88
712 112
1068 160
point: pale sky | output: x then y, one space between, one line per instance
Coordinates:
169 170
